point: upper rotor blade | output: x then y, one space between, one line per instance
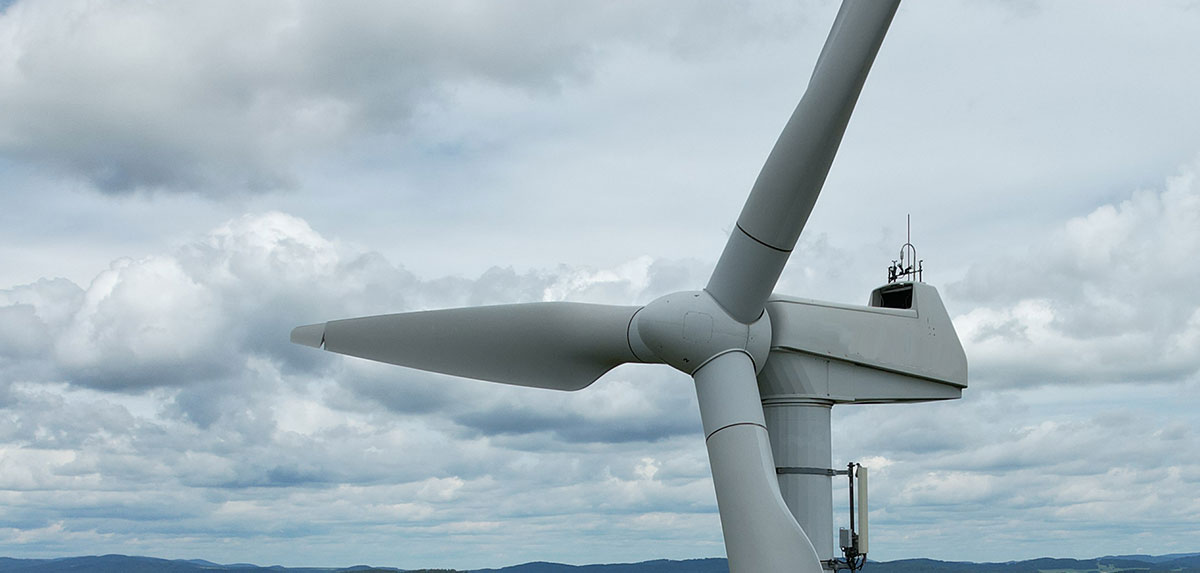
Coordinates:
787 187
556 345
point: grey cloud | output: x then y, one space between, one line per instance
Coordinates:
632 404
405 392
134 97
51 422
571 426
24 333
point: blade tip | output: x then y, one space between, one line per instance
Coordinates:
309 335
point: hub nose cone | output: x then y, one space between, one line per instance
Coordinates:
687 329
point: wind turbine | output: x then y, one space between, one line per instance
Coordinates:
767 369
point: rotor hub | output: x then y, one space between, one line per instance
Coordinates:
687 329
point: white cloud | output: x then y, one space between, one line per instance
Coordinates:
248 433
142 323
1105 298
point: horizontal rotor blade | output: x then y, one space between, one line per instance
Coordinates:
786 190
555 345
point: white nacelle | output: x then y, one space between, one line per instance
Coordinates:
901 348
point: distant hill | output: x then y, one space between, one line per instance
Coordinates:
127 564
1174 563
1181 563
1156 558
713 565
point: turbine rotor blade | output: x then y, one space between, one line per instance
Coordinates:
761 536
555 345
788 185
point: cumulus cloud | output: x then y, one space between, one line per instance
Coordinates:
1104 298
173 372
32 311
169 320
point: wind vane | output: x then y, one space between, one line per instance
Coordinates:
905 268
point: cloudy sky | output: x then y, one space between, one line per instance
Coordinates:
184 182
